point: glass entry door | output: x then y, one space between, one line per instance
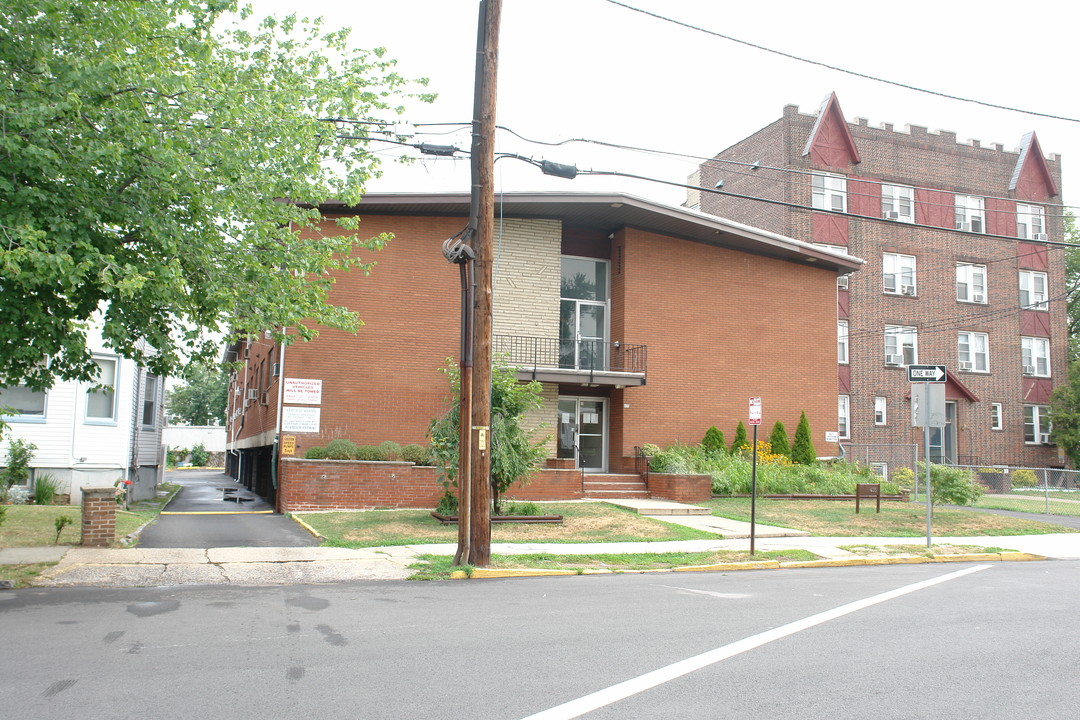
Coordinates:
943 440
583 343
582 432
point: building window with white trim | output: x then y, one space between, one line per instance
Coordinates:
970 283
101 397
1033 290
844 416
898 273
1035 356
842 342
18 403
881 470
898 203
150 401
829 192
880 416
901 345
970 214
1036 425
1030 222
995 416
973 349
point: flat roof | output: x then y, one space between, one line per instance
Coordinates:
609 212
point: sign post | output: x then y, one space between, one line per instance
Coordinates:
927 413
755 420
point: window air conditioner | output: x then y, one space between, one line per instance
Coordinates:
966 227
907 289
1038 236
264 398
1029 369
966 364
247 350
1044 438
978 297
842 282
894 360
252 394
891 215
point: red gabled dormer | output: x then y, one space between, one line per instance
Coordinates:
830 144
1032 179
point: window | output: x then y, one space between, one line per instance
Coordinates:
841 341
844 417
1035 356
898 203
995 416
970 283
970 215
101 398
973 351
881 470
1036 424
898 273
1029 222
23 404
829 192
901 345
150 401
1033 290
880 417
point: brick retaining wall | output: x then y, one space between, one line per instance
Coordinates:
680 488
98 516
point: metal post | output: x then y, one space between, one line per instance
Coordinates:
926 460
753 491
1046 489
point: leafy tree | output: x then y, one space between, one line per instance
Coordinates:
713 440
1065 414
202 400
145 145
779 440
951 485
515 452
740 438
16 468
199 455
802 451
1072 285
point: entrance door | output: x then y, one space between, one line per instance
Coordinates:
583 344
582 432
943 440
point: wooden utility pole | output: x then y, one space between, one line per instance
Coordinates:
478 552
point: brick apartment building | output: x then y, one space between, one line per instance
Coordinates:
644 323
961 270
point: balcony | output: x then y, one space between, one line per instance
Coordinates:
585 362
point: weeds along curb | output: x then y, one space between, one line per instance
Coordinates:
488 573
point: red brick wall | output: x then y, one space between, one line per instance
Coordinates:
98 516
680 488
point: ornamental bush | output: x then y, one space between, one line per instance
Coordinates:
317 452
340 449
390 450
802 451
416 454
199 455
740 438
713 440
373 453
778 439
1023 478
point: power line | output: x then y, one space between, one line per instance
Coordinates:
840 69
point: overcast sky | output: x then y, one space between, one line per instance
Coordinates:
592 69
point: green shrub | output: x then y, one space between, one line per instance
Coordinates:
391 450
17 469
649 450
316 452
3 513
952 485
46 488
199 456
368 452
740 438
713 440
416 454
340 449
802 451
904 477
1023 478
513 507
60 523
176 456
779 440
448 504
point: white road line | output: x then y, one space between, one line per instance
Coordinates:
615 693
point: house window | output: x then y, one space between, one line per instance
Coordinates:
841 341
1030 223
973 351
970 215
150 401
1036 424
995 416
970 283
829 192
18 403
844 417
898 273
901 345
1033 290
101 398
880 470
880 417
1035 356
898 203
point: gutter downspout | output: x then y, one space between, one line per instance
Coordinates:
276 459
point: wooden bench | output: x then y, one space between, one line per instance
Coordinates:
867 491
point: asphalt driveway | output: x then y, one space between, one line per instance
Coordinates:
211 511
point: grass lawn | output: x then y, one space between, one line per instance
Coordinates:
582 522
439 567
1054 494
838 519
1032 504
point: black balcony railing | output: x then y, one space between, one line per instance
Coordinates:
584 355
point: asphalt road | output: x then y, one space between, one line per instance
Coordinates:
202 515
910 641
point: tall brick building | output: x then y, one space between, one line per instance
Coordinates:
644 323
961 270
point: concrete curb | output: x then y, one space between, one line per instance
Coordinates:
488 573
307 527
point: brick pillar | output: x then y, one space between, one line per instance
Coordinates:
98 516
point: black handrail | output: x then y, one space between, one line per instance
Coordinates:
541 352
641 465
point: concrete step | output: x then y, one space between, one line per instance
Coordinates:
616 494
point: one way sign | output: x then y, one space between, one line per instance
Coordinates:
926 373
